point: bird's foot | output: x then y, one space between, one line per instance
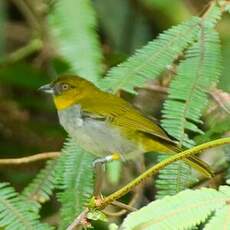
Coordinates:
103 160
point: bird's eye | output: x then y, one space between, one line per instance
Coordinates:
65 86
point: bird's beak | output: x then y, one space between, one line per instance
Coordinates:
47 89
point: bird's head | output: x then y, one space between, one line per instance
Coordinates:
68 90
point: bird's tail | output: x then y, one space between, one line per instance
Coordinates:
170 147
196 163
200 166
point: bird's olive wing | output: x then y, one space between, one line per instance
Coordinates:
88 115
139 123
121 113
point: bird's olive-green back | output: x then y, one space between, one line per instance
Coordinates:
121 113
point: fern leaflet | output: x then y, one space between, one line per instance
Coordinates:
182 211
40 189
186 100
73 25
76 181
220 220
173 178
152 59
187 93
16 213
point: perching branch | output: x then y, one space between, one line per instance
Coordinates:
30 159
126 207
78 220
221 98
155 169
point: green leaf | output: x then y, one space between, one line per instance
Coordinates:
75 177
182 211
73 25
216 131
220 220
40 189
16 213
97 215
113 172
212 17
150 61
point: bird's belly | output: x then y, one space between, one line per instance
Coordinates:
96 136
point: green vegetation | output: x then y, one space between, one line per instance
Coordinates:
171 61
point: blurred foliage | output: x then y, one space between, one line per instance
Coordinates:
76 33
18 213
74 175
43 38
120 34
225 80
2 26
185 210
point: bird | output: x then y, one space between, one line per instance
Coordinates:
108 126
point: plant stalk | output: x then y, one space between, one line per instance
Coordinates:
154 169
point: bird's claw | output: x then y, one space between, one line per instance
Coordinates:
103 160
99 161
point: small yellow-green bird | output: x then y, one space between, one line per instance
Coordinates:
108 126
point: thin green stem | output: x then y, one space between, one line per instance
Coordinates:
33 46
153 170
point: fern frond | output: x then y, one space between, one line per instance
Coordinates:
213 16
16 213
186 100
73 25
215 131
182 211
40 189
152 59
187 93
173 178
76 181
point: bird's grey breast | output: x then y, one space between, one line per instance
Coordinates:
71 118
95 135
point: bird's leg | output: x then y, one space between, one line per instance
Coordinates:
99 178
98 165
103 160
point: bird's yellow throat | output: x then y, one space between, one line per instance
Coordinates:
63 102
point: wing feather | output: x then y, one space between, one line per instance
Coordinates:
123 114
